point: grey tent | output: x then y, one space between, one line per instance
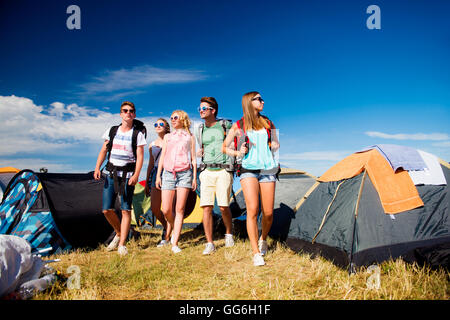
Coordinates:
350 227
289 193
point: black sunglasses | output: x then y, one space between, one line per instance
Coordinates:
128 110
258 98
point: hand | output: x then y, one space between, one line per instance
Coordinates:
200 153
158 183
133 180
275 146
243 150
194 184
97 174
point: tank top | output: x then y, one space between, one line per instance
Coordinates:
155 152
259 156
177 151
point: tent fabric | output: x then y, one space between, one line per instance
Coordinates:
24 212
6 174
372 236
403 157
290 190
75 201
8 170
396 190
56 211
433 174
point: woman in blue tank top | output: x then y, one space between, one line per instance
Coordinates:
259 168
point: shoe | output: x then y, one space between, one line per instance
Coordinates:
122 250
262 245
162 243
209 248
258 260
229 242
176 249
113 244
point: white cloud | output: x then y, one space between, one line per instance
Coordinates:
411 136
120 82
36 164
444 144
54 130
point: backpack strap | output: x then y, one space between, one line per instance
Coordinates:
269 131
240 124
134 142
112 134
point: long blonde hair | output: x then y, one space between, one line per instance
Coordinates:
252 121
184 119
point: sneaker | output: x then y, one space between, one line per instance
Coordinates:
176 249
122 250
162 243
262 245
113 244
229 242
209 248
258 260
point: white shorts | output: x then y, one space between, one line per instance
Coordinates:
215 183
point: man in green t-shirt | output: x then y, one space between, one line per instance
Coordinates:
216 178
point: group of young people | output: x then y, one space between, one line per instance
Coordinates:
245 149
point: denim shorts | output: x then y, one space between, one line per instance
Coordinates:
109 195
152 183
181 179
261 177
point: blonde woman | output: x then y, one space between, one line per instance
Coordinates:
162 128
180 172
258 169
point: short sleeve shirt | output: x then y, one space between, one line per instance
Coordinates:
212 139
122 151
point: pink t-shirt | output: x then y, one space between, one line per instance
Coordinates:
178 148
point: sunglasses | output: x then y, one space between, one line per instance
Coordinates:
174 118
159 124
128 110
203 108
258 98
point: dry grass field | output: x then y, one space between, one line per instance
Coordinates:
151 273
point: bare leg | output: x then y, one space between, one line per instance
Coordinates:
156 207
113 220
124 226
182 194
167 199
250 187
227 221
208 223
267 201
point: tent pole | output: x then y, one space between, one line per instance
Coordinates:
351 268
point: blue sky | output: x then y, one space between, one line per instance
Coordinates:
331 85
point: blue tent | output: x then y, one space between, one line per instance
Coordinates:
24 212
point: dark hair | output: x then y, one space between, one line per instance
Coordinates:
212 102
166 125
127 103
